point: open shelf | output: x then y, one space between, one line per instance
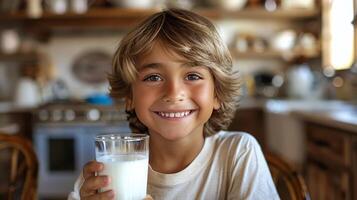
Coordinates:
19 56
271 54
124 18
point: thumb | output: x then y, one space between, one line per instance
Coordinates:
148 197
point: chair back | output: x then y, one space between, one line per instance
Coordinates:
18 167
289 183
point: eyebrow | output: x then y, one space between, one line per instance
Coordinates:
157 65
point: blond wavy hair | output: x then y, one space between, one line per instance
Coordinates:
192 37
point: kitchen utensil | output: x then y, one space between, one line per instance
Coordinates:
27 93
231 5
10 41
306 4
99 99
284 40
92 67
79 6
60 90
57 6
300 82
184 4
34 8
132 3
267 84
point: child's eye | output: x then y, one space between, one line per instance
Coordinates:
193 77
154 77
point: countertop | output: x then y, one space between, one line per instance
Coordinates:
8 107
341 119
332 113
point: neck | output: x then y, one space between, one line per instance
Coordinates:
173 156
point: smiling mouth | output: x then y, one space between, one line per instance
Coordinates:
174 114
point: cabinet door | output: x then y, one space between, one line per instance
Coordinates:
329 144
250 120
327 184
354 167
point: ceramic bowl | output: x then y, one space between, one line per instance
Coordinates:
232 4
132 3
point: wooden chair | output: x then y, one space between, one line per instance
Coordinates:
289 183
18 168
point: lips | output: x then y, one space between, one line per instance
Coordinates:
180 114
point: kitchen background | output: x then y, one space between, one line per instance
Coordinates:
296 59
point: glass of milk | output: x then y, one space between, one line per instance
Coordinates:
125 158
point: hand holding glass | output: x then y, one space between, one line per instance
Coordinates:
125 159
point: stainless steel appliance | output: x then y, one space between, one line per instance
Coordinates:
64 142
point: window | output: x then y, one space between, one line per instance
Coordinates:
339 34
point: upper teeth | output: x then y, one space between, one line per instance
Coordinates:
174 114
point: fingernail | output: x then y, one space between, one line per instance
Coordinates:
110 194
107 180
101 166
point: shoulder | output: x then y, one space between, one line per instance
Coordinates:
235 138
234 144
246 169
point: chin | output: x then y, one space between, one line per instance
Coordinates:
173 136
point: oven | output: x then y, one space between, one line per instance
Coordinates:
63 148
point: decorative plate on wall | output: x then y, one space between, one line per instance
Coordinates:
92 67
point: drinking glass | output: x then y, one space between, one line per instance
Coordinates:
125 158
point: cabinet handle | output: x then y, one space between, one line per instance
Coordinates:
321 166
322 143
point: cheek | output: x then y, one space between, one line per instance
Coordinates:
204 93
143 98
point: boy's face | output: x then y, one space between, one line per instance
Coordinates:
172 99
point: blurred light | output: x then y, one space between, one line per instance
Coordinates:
329 71
270 5
278 81
342 34
337 82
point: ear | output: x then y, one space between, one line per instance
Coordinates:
216 103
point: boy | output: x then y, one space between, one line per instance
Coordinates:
176 76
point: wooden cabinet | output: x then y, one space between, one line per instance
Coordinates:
331 166
327 183
250 120
354 164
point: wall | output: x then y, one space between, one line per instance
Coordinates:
64 48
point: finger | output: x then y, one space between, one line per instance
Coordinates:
91 167
148 197
101 196
92 184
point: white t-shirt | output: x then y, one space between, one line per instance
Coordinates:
230 165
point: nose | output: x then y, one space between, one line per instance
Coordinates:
174 91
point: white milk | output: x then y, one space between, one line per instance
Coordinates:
129 174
